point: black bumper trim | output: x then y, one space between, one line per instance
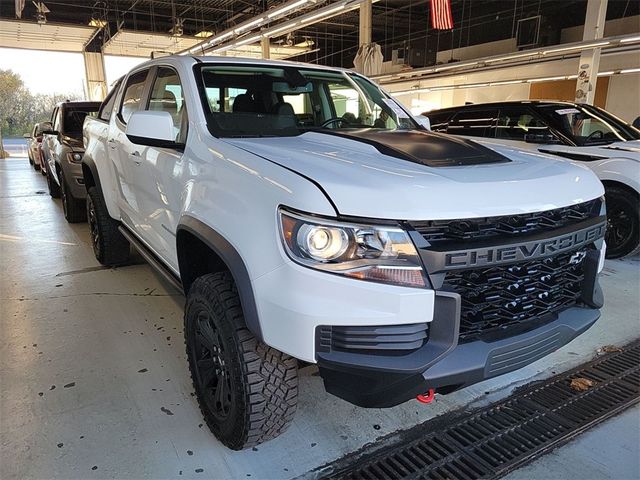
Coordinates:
389 381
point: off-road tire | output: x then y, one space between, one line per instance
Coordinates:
623 217
54 188
261 383
31 162
36 166
109 245
75 209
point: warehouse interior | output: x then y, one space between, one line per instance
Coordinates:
94 375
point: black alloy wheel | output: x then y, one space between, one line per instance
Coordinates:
623 222
212 372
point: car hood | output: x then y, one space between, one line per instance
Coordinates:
444 178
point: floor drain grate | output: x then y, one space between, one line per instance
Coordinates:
499 438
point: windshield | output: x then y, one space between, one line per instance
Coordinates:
74 118
257 101
587 125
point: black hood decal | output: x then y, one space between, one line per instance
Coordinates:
423 147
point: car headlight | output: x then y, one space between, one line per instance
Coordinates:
367 252
74 157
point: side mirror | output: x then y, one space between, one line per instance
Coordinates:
423 121
545 138
152 128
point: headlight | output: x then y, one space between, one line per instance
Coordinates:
367 252
74 157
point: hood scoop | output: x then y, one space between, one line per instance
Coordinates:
425 148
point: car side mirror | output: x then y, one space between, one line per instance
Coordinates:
152 128
423 121
540 138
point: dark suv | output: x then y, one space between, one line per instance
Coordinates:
63 150
578 132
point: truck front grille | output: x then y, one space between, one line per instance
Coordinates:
498 297
473 229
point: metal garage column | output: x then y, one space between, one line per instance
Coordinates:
365 22
590 59
94 75
265 44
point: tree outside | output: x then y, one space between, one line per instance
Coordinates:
20 109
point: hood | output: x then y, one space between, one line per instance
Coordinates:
378 178
632 146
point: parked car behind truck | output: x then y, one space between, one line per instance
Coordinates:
581 133
62 150
34 140
398 260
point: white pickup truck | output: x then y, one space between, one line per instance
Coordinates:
307 216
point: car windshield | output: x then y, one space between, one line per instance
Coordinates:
587 125
259 101
74 118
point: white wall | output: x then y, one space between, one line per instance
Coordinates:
623 98
618 26
625 93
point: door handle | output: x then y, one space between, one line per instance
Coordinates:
135 156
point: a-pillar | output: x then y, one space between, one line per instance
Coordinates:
95 77
590 59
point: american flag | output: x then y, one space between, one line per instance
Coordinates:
441 18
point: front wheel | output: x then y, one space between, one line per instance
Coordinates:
109 245
75 209
54 188
623 222
247 391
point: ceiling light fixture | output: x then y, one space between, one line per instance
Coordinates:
204 34
96 22
279 11
323 13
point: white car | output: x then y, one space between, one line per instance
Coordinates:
581 133
302 223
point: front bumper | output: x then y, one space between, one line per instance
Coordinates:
381 381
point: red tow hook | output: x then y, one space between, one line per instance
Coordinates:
428 398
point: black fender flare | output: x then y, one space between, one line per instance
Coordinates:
233 261
89 164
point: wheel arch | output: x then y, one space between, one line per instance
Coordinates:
202 250
615 183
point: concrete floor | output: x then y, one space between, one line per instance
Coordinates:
609 450
94 380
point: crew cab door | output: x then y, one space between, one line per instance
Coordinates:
126 156
158 183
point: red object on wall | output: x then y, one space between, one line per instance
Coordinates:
441 18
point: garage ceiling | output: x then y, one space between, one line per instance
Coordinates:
396 23
141 44
62 38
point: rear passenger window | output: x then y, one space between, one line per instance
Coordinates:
515 123
132 97
474 123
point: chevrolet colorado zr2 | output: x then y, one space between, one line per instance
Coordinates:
62 152
308 217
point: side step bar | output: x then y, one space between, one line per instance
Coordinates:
151 258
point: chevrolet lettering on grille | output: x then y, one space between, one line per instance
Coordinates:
478 257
